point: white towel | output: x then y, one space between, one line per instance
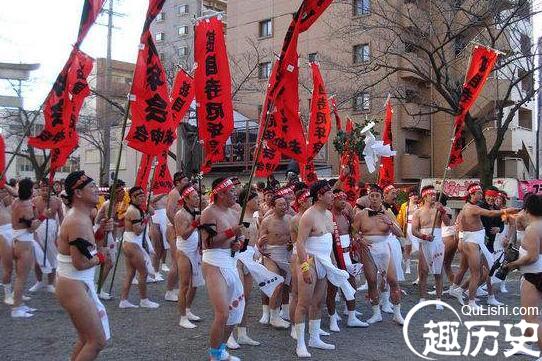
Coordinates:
23 235
222 259
433 251
49 229
396 257
320 248
190 248
479 237
132 238
67 270
380 251
267 281
160 217
281 256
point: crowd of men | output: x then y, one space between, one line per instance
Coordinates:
302 247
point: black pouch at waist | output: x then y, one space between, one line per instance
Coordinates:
535 279
83 246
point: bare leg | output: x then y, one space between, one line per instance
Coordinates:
24 259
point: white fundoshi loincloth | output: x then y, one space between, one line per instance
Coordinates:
24 235
433 251
353 269
6 231
396 255
132 238
281 256
190 248
222 259
479 237
67 270
267 281
160 218
410 238
320 248
498 246
380 251
51 226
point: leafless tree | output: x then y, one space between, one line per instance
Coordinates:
430 43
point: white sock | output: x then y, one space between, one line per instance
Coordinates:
286 309
274 313
188 311
241 332
265 309
314 328
351 315
300 332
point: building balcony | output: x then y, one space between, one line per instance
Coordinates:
414 166
412 117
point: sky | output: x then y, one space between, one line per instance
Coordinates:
38 31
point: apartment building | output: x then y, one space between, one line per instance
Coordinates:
346 41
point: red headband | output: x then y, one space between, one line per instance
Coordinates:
388 188
341 195
226 185
303 197
492 193
283 191
475 188
187 192
428 191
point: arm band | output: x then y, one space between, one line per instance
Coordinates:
229 233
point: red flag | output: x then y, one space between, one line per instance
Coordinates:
163 182
152 129
91 10
350 175
387 176
349 125
319 124
144 171
482 62
311 11
181 96
212 89
338 122
2 161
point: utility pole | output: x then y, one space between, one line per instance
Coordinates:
106 121
539 111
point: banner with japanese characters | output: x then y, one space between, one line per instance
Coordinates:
212 83
311 10
481 65
144 171
181 96
163 182
2 161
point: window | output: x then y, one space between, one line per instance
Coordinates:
160 37
161 16
182 9
361 53
411 146
459 44
266 28
264 70
182 51
312 57
92 156
362 7
162 56
362 102
182 30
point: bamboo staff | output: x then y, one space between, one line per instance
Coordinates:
113 196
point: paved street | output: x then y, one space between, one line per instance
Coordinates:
154 334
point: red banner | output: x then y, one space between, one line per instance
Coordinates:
350 170
163 182
152 130
2 161
181 96
387 174
481 65
311 11
91 10
319 124
144 171
338 122
212 84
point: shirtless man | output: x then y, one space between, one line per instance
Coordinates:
314 247
274 244
342 246
188 254
473 243
303 201
172 206
25 250
219 228
110 245
265 204
160 222
373 227
77 260
431 256
136 250
48 210
248 267
405 221
6 241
